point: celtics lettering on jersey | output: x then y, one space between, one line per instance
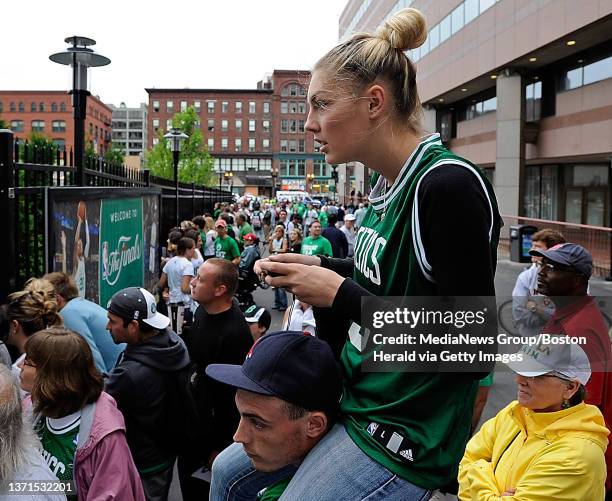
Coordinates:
369 244
59 438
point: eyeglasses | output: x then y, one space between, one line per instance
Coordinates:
541 377
559 267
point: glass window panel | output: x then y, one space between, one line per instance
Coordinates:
425 48
457 19
573 206
485 4
596 202
445 28
572 79
471 10
597 71
434 37
590 175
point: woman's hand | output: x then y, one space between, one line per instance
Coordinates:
312 284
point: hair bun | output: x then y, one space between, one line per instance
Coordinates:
405 30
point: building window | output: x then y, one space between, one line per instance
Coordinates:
156 105
285 126
54 107
457 19
284 145
237 144
251 145
170 106
471 10
211 143
197 105
238 125
211 124
38 125
155 123
252 107
265 144
224 144
292 107
251 125
210 107
62 106
32 107
12 106
1 107
224 106
17 125
223 125
533 102
238 106
587 74
475 110
485 4
41 107
266 125
301 145
293 89
58 126
266 107
293 168
60 143
445 28
155 141
183 105
302 107
284 108
292 145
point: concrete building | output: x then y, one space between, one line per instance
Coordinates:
522 88
256 134
130 132
50 113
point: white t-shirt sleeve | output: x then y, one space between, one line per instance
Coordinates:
187 269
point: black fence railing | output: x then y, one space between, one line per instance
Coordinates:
26 169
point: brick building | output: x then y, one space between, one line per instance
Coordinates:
50 113
257 134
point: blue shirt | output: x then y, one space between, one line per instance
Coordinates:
89 320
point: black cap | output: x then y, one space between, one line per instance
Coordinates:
259 315
292 366
136 303
569 254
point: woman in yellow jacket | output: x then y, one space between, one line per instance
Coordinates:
547 446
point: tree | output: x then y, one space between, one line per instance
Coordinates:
4 124
195 163
114 155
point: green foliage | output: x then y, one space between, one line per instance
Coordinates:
114 155
39 140
195 163
4 124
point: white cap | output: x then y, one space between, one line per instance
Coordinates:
567 360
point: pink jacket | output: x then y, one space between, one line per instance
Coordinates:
103 466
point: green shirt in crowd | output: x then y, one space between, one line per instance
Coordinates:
275 491
245 229
323 219
226 248
312 246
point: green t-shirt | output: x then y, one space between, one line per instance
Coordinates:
275 491
245 229
323 219
226 248
313 246
58 438
432 411
301 210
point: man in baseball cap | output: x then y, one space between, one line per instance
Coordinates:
288 393
139 383
572 256
259 320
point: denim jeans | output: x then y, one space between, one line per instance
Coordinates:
335 469
280 298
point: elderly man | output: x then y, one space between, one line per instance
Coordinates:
288 390
20 459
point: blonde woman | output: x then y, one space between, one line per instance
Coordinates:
427 203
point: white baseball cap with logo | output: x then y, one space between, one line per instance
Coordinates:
567 361
136 303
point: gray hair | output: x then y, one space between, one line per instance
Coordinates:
16 437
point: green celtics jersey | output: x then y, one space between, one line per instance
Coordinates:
226 248
59 438
313 246
323 219
244 230
428 413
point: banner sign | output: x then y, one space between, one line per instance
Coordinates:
106 238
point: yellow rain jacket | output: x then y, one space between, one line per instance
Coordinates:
549 456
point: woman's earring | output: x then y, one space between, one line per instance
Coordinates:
565 404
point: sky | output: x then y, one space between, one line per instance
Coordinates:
164 44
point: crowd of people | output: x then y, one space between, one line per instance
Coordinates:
112 398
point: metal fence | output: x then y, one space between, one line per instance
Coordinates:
596 239
26 170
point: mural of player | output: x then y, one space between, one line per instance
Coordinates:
80 253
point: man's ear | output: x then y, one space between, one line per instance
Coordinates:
376 97
317 424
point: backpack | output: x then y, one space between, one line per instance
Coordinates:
256 220
183 426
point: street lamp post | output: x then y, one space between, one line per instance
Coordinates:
229 178
274 175
80 57
176 137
